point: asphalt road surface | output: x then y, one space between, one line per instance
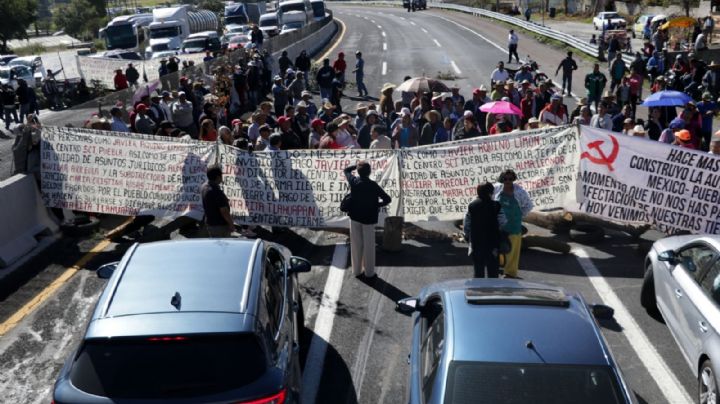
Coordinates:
358 351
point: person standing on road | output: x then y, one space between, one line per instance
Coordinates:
617 71
482 232
512 46
528 13
218 221
120 80
595 84
360 75
568 66
324 79
515 205
8 100
302 64
339 65
367 197
132 75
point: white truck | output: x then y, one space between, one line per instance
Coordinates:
608 20
172 25
126 32
292 20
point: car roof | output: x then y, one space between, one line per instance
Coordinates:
208 275
558 323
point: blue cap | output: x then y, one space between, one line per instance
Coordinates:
677 123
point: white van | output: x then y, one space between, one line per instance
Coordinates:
295 5
201 42
269 24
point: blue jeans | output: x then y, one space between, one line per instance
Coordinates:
362 90
325 92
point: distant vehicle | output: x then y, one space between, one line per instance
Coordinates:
162 331
4 59
34 63
303 6
119 54
236 14
11 74
294 18
269 23
499 340
202 42
682 282
318 7
225 39
420 4
290 27
126 32
639 26
238 41
235 28
163 54
608 20
172 25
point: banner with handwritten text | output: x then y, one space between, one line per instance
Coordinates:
636 180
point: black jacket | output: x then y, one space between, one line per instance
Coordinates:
367 198
484 227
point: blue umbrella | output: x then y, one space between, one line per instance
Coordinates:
667 98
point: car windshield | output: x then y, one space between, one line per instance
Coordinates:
293 25
268 22
510 383
318 9
20 62
284 8
167 367
160 47
611 15
236 19
194 44
120 37
166 32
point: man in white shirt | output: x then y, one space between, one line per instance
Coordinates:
379 140
602 119
166 105
499 74
512 46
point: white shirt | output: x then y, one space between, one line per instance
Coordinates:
253 132
603 123
382 142
345 139
498 75
166 108
512 39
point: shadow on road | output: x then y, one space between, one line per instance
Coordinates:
336 384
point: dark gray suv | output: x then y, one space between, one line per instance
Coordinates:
196 321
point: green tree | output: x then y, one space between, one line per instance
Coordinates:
16 17
216 6
79 18
44 16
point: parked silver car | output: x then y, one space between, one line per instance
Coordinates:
682 281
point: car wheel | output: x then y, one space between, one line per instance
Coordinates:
707 384
647 293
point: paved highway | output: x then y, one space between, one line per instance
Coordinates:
359 346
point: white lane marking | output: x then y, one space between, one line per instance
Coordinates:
669 385
412 22
372 21
384 68
403 18
384 46
379 27
437 43
324 324
424 30
455 67
503 50
383 34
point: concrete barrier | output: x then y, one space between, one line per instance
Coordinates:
23 216
300 40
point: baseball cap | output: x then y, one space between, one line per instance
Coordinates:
683 135
236 122
141 108
317 122
677 123
282 120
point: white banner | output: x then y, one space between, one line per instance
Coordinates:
635 180
440 181
121 173
300 188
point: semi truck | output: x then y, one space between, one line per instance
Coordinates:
244 13
126 32
172 25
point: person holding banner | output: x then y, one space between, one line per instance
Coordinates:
515 205
715 144
367 197
218 222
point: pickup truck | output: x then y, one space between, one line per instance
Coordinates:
608 20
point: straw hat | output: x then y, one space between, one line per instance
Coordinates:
387 86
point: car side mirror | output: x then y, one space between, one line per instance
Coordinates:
667 256
299 264
602 312
408 305
106 271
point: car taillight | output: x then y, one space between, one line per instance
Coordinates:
278 398
166 339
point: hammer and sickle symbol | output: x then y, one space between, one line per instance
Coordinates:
606 160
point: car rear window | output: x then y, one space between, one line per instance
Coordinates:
167 367
509 383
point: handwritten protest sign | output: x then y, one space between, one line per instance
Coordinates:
631 179
121 173
439 182
300 187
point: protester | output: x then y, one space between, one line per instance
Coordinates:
360 75
182 115
132 75
263 141
602 119
512 46
668 135
427 134
143 121
117 124
683 138
515 205
324 78
595 84
365 135
482 232
207 131
339 65
405 134
554 113
218 222
379 140
568 66
499 74
366 198
715 144
467 129
120 80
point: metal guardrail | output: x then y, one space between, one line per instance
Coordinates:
567 39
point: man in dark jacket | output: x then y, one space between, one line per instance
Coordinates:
482 231
218 221
302 63
366 199
284 63
132 75
324 78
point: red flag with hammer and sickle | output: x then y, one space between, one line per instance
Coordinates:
601 158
